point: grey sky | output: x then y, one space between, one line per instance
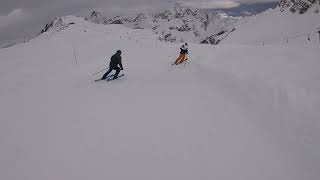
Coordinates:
22 18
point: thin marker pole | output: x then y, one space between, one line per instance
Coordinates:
74 53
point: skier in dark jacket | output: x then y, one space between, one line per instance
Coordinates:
115 61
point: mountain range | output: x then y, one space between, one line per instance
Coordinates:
180 24
177 24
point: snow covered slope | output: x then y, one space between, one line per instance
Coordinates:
279 25
231 112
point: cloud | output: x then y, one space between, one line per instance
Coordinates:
223 4
15 16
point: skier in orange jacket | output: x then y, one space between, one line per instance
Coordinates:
183 54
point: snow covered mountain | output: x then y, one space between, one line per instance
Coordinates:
177 24
289 22
58 24
299 6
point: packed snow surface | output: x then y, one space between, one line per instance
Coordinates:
276 27
231 112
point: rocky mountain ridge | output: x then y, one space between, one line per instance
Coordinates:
177 24
299 6
180 24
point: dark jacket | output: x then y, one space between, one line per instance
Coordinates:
115 61
183 51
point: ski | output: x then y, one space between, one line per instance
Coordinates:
111 78
179 63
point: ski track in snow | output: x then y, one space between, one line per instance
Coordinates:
231 112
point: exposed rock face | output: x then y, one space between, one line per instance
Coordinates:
176 24
299 6
57 23
117 21
216 38
97 17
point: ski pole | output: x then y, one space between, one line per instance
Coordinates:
100 71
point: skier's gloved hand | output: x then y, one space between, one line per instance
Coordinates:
121 68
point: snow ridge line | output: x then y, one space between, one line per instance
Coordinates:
280 39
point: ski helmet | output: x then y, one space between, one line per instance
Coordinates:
119 51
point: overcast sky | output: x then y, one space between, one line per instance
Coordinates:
22 18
